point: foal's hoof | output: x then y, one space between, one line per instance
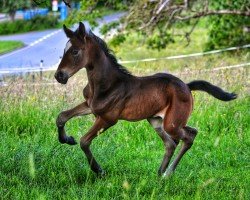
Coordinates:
71 141
68 140
99 171
168 173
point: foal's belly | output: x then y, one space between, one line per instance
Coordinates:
143 106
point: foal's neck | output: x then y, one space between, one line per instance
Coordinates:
102 74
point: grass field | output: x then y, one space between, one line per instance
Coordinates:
7 46
135 48
34 165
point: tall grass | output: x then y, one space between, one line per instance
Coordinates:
34 165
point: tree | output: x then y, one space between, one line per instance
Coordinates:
11 6
228 30
160 18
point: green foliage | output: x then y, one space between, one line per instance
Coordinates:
158 41
227 30
7 46
162 30
115 4
36 23
117 40
107 27
224 30
86 13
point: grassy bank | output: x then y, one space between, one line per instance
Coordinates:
7 46
135 48
33 165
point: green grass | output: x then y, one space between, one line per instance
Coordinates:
33 165
135 48
7 46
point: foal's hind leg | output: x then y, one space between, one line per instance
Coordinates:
64 116
188 136
169 143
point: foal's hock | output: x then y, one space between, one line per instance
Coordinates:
113 93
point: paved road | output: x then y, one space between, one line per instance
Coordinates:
43 45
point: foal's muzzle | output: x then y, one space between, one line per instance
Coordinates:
62 77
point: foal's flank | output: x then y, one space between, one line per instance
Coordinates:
113 93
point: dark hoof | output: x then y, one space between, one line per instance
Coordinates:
68 140
99 171
71 140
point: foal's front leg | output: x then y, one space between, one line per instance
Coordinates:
99 127
63 117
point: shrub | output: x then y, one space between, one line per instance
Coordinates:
36 23
227 30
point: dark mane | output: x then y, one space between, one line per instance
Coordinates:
109 53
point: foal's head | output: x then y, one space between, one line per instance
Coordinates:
76 53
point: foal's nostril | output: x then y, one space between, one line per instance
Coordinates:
61 77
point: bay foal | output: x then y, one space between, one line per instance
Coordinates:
113 94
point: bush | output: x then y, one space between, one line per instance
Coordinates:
36 23
227 30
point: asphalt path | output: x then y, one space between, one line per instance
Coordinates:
47 46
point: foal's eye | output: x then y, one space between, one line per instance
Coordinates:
74 52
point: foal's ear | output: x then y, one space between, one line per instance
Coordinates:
68 32
81 29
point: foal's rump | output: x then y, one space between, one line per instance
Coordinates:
180 107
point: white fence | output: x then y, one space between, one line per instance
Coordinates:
54 67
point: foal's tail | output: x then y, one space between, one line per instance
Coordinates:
212 90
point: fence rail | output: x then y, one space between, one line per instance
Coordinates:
54 67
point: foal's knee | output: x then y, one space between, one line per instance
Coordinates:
61 120
189 136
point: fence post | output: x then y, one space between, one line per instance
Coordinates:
3 78
33 77
41 70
